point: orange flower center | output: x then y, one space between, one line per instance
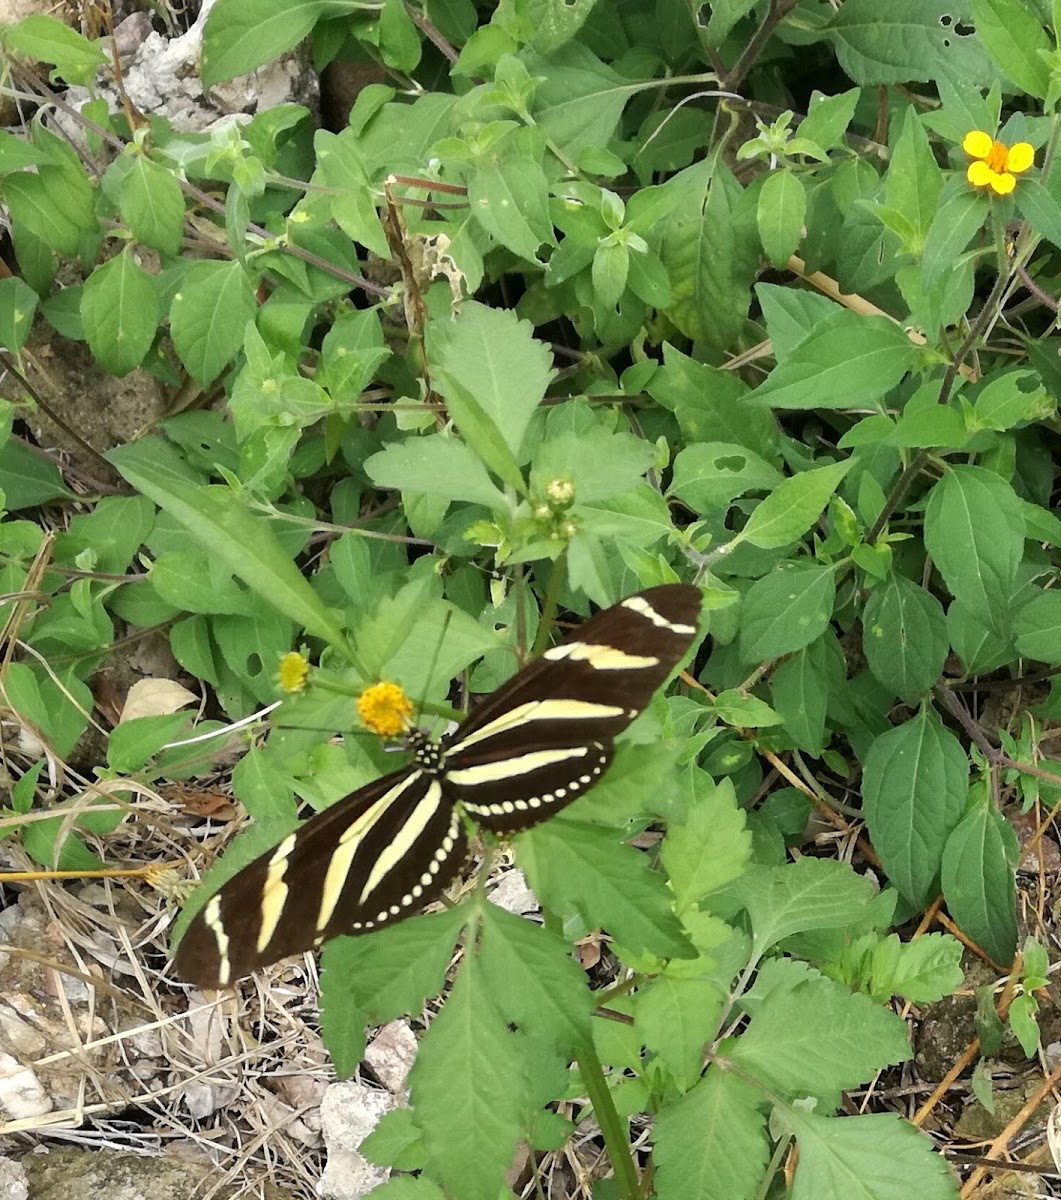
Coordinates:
997 156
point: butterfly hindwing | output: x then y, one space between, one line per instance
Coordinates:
546 736
373 858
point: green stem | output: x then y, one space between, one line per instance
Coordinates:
616 1135
549 607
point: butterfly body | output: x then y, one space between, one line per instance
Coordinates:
384 852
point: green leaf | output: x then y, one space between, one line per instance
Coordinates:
399 41
582 868
437 465
811 893
709 475
1013 35
962 211
611 266
744 712
352 351
394 971
817 1038
468 1092
152 205
978 881
828 117
848 361
903 40
509 194
599 463
54 205
711 259
1040 208
133 742
889 1157
45 39
914 790
801 690
220 523
914 180
922 971
710 848
711 405
28 479
793 507
533 980
676 1019
120 309
55 708
580 99
493 374
16 155
243 34
18 304
1010 398
1038 627
711 1144
208 316
974 530
396 1142
904 636
781 211
786 610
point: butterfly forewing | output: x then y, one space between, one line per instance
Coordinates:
373 858
546 736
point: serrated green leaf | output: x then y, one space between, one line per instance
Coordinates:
533 979
711 847
786 610
470 1096
914 180
577 867
889 1157
904 635
922 971
244 34
43 38
818 1038
677 1018
811 893
18 305
711 1144
599 463
793 506
372 979
802 687
914 789
961 213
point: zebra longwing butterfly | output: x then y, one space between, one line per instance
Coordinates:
382 853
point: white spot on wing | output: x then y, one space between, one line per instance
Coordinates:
601 657
403 840
508 768
212 917
641 606
274 893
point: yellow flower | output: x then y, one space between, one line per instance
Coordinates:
384 708
294 669
997 163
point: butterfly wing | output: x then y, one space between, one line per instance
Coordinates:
369 860
546 736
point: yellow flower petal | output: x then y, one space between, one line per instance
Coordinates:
1003 184
294 670
1020 157
383 708
977 143
979 174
